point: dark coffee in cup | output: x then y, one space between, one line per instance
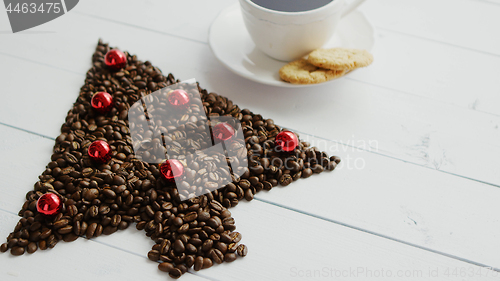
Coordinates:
291 5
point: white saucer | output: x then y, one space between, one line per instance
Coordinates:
233 47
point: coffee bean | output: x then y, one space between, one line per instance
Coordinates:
242 250
109 193
331 166
244 184
91 194
17 251
4 248
42 245
335 159
207 263
203 216
216 256
165 266
198 263
248 195
235 237
317 168
22 242
189 261
154 255
225 238
229 257
60 223
190 217
285 179
175 273
91 230
45 233
65 230
178 246
222 247
307 173
32 247
70 237
207 245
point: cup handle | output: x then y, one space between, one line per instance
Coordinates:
351 7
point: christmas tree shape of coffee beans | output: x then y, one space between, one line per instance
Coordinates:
102 198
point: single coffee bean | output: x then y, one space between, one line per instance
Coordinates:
32 247
203 216
242 250
109 193
216 255
285 179
22 242
4 248
190 217
179 246
198 263
207 245
17 251
182 267
229 257
331 166
91 194
175 273
335 159
165 266
225 238
307 173
60 224
65 230
70 237
154 255
317 168
207 263
235 237
91 230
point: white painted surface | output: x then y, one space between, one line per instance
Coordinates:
428 104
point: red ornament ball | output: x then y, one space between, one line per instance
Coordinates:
223 131
49 204
102 102
115 59
287 140
172 169
100 151
179 99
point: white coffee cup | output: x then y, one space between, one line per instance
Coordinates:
288 36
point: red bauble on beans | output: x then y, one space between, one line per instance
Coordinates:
49 204
287 140
100 151
115 59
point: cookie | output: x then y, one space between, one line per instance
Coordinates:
302 72
340 58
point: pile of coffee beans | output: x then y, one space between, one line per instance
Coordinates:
103 198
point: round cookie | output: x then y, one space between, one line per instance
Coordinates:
302 72
340 58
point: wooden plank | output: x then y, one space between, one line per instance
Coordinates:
432 69
378 194
81 260
396 199
470 24
283 245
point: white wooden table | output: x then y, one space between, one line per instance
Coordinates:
418 195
